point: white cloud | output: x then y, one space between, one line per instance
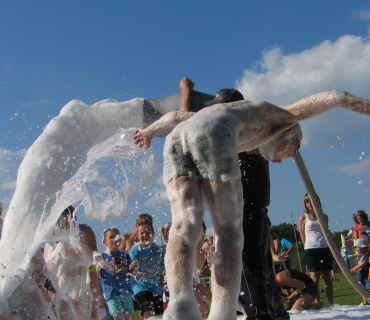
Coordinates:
360 168
340 65
363 14
8 67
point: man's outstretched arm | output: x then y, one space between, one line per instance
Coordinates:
324 101
143 137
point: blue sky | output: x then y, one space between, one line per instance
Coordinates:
54 51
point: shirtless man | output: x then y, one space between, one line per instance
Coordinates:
200 158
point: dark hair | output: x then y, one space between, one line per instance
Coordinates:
275 234
361 213
70 211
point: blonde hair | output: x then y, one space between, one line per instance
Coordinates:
144 218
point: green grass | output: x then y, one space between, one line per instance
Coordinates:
344 294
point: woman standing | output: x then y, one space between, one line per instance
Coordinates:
361 230
316 251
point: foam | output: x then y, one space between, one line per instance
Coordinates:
66 164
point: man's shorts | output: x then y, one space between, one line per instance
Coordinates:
201 148
318 259
121 304
148 301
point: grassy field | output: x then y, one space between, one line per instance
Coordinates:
344 294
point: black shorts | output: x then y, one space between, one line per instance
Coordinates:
311 289
318 259
148 301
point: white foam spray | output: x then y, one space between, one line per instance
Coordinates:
83 154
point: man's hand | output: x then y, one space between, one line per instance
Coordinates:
186 87
141 140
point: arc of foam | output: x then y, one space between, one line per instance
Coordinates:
53 159
325 228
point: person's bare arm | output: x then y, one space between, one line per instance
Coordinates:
89 237
283 278
290 249
355 235
186 87
276 256
302 232
277 244
324 101
143 137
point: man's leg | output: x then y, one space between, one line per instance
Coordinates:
253 295
185 197
225 204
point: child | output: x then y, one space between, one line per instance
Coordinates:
362 268
114 276
129 239
165 233
67 269
148 291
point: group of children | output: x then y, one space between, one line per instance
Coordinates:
133 266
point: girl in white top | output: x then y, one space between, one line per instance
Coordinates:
316 251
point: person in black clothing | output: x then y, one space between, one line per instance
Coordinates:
305 289
259 296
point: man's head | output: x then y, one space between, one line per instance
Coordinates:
282 146
225 96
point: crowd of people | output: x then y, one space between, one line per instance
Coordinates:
205 165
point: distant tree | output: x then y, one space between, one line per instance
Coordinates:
337 237
286 230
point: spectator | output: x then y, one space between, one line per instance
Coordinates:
305 290
316 250
361 230
283 245
362 267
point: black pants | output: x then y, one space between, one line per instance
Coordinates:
259 297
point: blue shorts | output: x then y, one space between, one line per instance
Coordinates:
121 304
318 259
